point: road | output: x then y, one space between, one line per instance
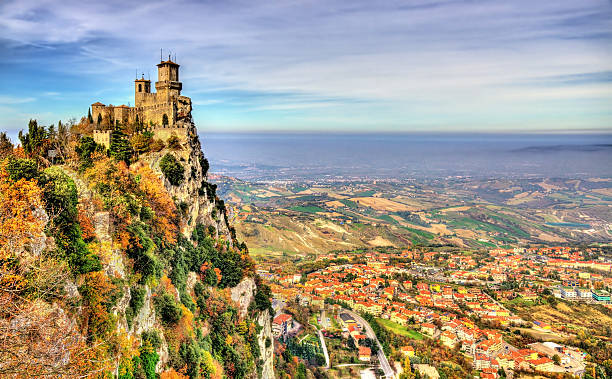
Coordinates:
382 359
324 346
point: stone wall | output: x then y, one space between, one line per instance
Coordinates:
102 137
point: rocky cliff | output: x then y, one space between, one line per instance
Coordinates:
149 276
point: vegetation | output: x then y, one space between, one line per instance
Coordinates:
83 231
399 329
172 169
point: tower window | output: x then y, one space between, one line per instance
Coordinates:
139 87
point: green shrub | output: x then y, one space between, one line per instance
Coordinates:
166 307
137 299
262 297
174 143
148 360
152 337
19 168
141 248
86 147
204 164
172 169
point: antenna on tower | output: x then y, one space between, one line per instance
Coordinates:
161 55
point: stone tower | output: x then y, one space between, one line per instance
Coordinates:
142 87
168 86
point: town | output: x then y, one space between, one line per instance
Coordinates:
396 313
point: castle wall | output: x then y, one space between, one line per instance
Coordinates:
145 98
155 113
121 114
165 133
102 137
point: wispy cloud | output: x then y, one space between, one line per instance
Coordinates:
9 100
327 64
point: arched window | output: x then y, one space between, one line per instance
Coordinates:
139 87
165 120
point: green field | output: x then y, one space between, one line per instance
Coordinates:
307 209
400 330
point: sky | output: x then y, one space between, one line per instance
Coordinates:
341 66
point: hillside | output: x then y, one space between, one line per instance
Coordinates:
121 261
314 217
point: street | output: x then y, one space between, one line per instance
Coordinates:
382 359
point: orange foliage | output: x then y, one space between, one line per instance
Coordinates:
20 224
160 201
171 374
167 285
96 291
218 272
185 325
87 228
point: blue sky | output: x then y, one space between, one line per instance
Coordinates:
359 65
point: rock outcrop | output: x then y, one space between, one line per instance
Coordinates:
266 345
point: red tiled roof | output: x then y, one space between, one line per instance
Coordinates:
282 318
365 351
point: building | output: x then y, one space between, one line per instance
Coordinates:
164 111
568 292
543 364
282 324
584 294
448 338
428 328
365 354
601 295
407 350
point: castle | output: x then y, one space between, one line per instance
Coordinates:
164 112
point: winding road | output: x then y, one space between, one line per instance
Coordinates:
323 345
382 358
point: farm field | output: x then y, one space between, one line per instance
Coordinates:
317 217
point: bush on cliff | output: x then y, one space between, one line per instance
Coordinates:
172 169
60 195
168 309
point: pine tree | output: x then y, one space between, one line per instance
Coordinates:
36 141
120 147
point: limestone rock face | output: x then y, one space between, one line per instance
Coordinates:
267 352
145 319
243 294
120 308
200 208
